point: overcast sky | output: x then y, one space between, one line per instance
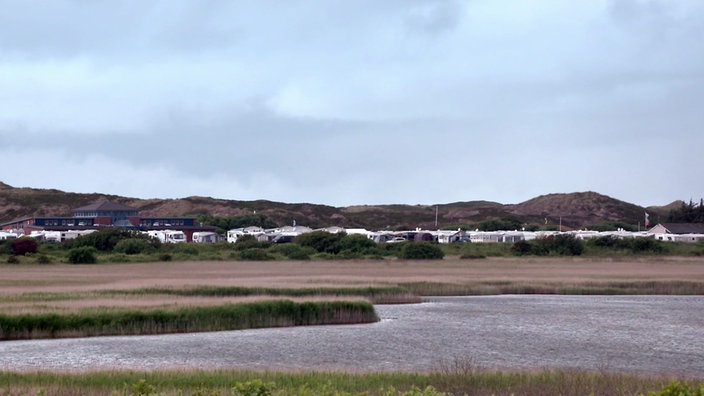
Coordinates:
354 102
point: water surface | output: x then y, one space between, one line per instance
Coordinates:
639 334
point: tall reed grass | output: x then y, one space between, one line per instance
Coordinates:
586 288
273 313
229 382
376 295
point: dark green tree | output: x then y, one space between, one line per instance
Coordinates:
688 213
228 223
500 225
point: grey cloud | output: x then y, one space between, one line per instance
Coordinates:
394 101
434 17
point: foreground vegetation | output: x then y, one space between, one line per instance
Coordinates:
450 379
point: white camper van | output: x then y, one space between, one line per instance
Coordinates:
168 236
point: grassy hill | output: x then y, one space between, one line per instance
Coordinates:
578 209
575 210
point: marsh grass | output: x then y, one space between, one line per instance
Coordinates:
376 295
230 382
582 288
273 313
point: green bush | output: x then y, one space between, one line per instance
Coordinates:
13 260
106 240
82 255
5 247
133 246
633 245
357 243
321 241
521 248
646 245
254 387
421 250
558 245
293 251
23 245
561 245
165 257
184 248
250 242
43 259
676 388
255 254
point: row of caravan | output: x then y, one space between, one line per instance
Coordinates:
288 233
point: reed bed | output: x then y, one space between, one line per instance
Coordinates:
582 288
273 313
377 295
228 382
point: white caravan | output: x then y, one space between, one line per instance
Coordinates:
168 236
206 237
235 233
7 235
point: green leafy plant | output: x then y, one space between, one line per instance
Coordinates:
422 251
133 246
82 255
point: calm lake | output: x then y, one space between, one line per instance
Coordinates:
638 334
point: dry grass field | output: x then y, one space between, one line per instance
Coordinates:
33 288
291 274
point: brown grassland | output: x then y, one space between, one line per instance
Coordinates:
18 282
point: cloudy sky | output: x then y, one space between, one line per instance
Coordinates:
354 102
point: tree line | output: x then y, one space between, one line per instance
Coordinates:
691 212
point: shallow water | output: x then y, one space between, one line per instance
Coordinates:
639 334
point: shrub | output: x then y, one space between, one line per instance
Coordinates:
357 243
676 388
633 245
133 246
560 245
255 387
165 257
521 248
184 248
421 250
321 241
43 259
470 256
24 245
250 242
645 245
5 246
255 254
106 240
13 260
82 255
119 258
293 251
